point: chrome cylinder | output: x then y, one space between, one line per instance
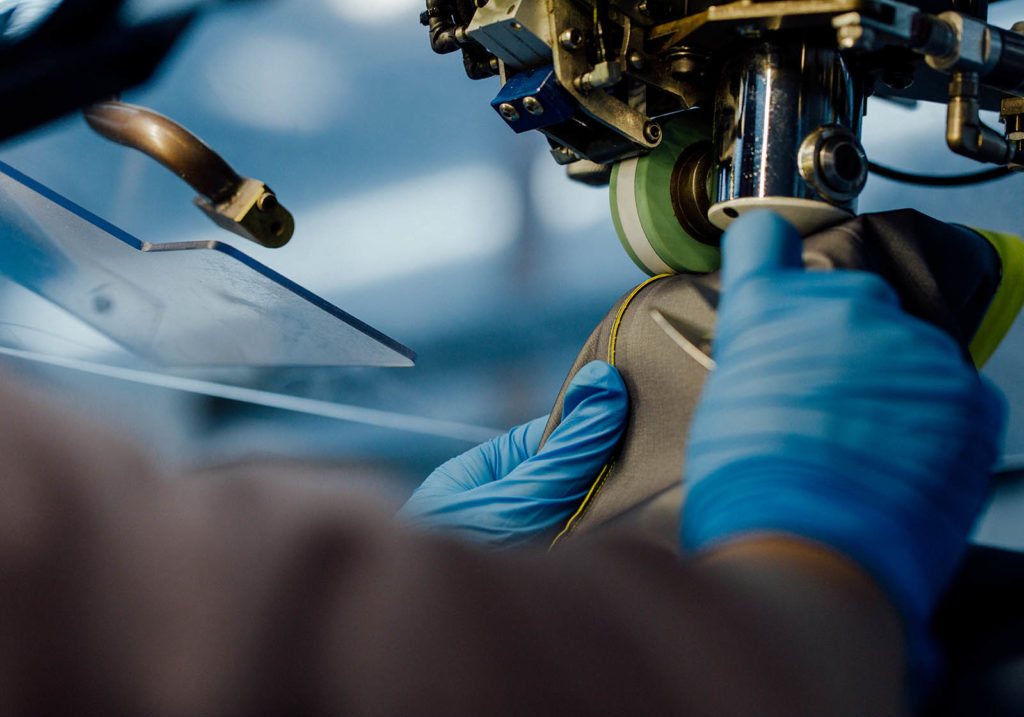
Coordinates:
787 135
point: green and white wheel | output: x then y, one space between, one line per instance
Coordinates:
647 215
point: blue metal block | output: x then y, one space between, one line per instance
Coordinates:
536 100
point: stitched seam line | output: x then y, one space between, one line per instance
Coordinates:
607 469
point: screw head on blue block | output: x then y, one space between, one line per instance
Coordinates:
533 106
508 111
534 99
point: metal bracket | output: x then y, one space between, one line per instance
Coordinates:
572 64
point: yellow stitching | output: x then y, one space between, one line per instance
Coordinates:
579 511
607 469
622 311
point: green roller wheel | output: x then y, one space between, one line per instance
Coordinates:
647 208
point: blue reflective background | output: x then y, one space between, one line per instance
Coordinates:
417 211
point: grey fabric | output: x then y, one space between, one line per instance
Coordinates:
664 385
944 274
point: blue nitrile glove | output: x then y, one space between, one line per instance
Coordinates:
505 493
836 416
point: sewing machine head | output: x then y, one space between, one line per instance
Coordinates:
696 113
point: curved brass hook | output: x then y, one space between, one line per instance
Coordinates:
241 205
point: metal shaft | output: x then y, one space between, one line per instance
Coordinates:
168 143
778 99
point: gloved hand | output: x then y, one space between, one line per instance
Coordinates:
835 416
504 492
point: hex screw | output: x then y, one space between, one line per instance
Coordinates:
571 39
652 132
508 111
533 106
267 202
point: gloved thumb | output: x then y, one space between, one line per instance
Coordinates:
757 243
594 415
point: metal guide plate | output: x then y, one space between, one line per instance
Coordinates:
185 304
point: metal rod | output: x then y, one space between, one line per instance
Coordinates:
466 432
241 205
168 143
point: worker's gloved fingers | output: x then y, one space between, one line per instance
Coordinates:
543 492
891 475
836 416
488 462
760 250
594 416
756 244
463 497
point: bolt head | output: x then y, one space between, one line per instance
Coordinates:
533 106
571 39
652 132
686 66
832 161
267 202
508 111
636 61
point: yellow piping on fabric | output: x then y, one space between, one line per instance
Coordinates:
596 486
1008 299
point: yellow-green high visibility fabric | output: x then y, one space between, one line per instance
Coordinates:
1008 299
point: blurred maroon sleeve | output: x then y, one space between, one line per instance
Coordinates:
124 591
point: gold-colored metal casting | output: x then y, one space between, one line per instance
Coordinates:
244 206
